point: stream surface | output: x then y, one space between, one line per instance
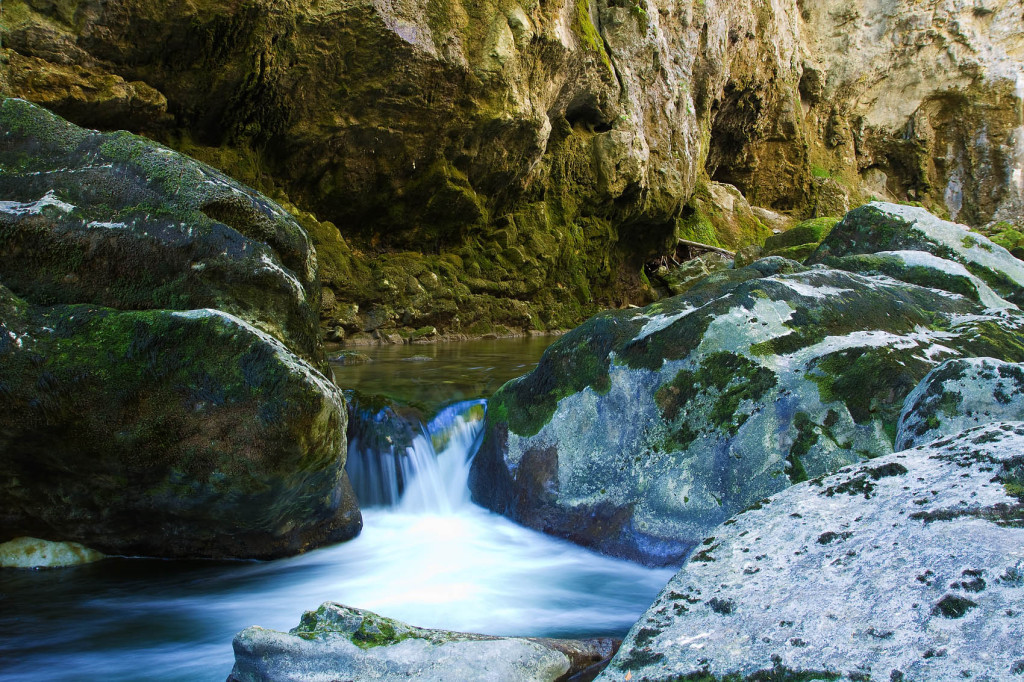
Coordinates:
434 559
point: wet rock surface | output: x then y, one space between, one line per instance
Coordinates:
159 355
906 567
642 430
340 642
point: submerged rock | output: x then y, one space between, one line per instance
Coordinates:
641 430
960 394
339 642
35 553
904 568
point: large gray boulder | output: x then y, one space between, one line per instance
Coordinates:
958 395
338 642
908 567
642 430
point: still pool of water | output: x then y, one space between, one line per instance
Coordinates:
433 560
433 375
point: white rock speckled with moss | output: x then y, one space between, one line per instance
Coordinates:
337 642
961 394
908 567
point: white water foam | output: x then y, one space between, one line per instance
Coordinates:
432 559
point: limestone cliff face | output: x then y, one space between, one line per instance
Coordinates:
471 163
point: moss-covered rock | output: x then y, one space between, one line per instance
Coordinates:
641 430
118 221
550 148
923 269
881 227
904 568
166 433
805 233
958 395
339 642
26 552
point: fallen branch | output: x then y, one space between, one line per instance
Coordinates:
706 247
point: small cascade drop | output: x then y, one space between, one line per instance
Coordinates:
1018 168
391 465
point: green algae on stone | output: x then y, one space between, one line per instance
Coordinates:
168 433
118 221
690 409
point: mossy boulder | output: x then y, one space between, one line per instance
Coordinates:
679 279
115 220
907 567
880 227
166 433
800 241
1010 237
641 430
961 394
338 642
923 269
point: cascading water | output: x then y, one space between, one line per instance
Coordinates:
427 555
391 465
1018 170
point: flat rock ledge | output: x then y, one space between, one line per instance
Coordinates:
337 642
907 567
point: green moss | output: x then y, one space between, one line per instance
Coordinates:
872 382
588 32
730 378
29 120
806 438
812 231
579 360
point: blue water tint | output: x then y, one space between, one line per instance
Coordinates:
433 560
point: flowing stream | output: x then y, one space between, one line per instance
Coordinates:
427 555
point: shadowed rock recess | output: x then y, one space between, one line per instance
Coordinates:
498 166
642 430
158 355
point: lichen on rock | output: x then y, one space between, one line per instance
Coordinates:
341 642
905 567
25 552
641 430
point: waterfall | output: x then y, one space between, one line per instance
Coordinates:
414 469
1018 169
